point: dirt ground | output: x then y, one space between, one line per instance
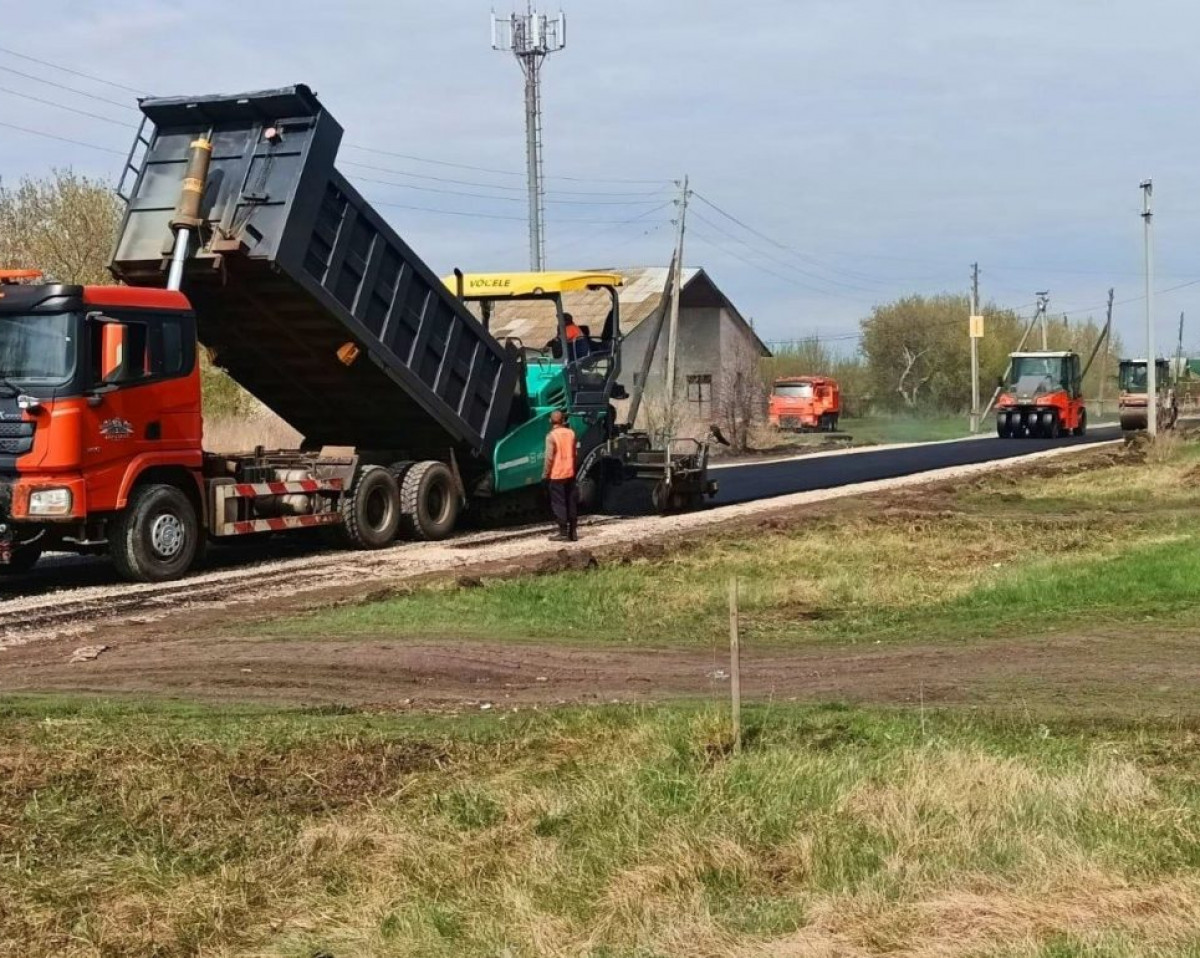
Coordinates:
383 672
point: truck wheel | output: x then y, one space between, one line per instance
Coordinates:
157 537
23 559
1081 429
428 501
371 510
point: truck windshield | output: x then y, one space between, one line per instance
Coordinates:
37 348
793 390
1048 369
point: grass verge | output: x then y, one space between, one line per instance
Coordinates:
612 832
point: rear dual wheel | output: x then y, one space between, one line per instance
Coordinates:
429 501
371 510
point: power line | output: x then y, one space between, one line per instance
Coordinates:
63 106
355 146
63 139
629 222
483 169
68 89
486 216
490 186
787 265
78 73
502 199
783 246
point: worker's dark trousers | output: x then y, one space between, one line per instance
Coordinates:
564 503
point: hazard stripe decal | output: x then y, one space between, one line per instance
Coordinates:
249 490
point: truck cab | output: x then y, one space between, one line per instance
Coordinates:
99 397
1042 396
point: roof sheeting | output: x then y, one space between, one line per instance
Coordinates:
534 323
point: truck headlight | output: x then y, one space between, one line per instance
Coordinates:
50 502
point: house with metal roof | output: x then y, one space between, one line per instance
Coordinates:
715 340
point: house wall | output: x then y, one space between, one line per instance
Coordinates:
709 337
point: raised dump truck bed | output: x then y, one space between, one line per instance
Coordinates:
303 293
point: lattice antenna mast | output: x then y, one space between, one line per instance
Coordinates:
531 37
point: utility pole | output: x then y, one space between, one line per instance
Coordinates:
676 289
975 332
531 37
1178 357
1043 303
1147 188
1105 362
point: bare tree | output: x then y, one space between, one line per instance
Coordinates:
63 224
909 388
739 397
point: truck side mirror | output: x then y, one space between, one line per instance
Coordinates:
999 382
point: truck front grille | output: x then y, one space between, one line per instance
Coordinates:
16 438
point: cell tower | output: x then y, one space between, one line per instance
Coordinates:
531 37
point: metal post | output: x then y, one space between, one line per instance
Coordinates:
1147 188
1178 357
735 666
531 37
675 293
974 334
1043 303
1104 363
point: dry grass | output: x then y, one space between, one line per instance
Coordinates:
260 427
589 834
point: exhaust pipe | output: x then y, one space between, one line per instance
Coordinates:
187 213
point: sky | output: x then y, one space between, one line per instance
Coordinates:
842 153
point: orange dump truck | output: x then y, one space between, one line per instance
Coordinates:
805 404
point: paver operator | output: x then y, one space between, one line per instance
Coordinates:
559 472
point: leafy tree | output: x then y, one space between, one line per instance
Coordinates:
63 224
918 353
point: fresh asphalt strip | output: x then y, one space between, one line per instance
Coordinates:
763 480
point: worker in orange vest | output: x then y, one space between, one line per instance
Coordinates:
559 472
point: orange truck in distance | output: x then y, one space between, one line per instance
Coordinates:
805 404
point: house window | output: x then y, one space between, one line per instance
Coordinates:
699 390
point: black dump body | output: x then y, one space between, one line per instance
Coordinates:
294 265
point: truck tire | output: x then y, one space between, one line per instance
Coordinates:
157 537
428 501
1081 429
371 510
399 470
24 558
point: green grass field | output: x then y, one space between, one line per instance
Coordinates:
611 832
888 429
1116 545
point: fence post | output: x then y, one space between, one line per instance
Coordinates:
735 665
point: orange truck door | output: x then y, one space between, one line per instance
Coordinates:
145 408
